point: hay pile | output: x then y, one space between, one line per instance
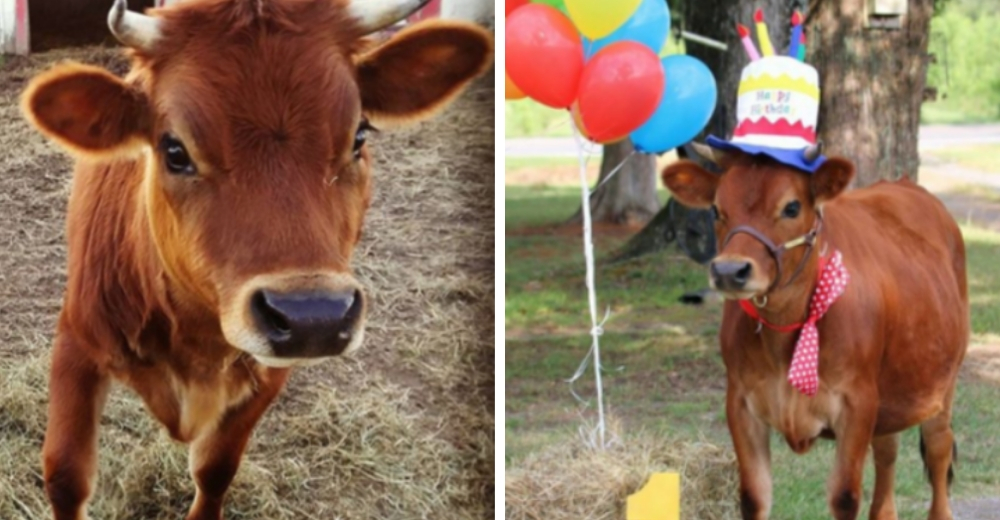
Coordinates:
573 482
403 430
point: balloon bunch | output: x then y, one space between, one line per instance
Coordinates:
600 59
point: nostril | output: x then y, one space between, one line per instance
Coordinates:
308 323
272 320
743 273
713 271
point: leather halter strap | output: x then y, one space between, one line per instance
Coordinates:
751 310
776 251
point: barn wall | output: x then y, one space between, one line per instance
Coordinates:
480 11
67 23
13 27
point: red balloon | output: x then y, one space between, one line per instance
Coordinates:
510 5
545 54
620 89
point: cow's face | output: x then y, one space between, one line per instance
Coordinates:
779 202
251 135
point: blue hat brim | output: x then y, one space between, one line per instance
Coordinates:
784 156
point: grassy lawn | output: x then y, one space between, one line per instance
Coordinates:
663 370
984 158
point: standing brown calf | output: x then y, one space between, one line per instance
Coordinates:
890 347
218 195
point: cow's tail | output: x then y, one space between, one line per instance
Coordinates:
951 466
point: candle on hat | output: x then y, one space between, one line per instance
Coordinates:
747 42
802 47
765 41
793 47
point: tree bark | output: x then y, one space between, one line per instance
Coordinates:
872 83
629 198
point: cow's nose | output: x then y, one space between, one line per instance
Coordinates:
730 275
310 324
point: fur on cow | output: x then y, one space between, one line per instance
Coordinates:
218 195
889 348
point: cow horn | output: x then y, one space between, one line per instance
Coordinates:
813 152
373 15
133 29
707 152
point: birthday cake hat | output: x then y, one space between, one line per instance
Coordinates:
778 102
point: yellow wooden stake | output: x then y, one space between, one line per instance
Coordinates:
659 499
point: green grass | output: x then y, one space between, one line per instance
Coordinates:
984 158
982 250
538 206
662 369
948 113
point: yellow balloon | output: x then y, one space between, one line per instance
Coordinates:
599 18
510 90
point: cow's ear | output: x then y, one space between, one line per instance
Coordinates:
88 110
420 69
831 178
693 185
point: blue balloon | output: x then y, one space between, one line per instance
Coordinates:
648 25
687 104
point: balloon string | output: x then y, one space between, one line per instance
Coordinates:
613 172
588 252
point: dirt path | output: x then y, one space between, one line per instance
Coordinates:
976 509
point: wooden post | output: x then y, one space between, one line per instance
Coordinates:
15 37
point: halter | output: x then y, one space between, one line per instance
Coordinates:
808 240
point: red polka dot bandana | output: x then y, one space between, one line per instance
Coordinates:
803 374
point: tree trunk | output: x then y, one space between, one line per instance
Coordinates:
629 198
872 86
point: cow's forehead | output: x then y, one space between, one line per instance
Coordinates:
238 103
756 186
241 76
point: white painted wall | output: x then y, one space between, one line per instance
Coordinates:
14 34
8 11
480 11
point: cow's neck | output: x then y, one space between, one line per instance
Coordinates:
192 324
789 304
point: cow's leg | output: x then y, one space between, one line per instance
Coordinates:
854 430
938 442
215 456
77 392
884 451
751 439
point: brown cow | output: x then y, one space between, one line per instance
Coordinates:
218 196
890 347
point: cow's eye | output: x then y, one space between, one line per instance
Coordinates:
792 209
360 137
175 157
715 212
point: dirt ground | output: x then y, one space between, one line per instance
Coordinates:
405 429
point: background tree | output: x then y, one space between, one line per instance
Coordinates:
873 84
629 198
